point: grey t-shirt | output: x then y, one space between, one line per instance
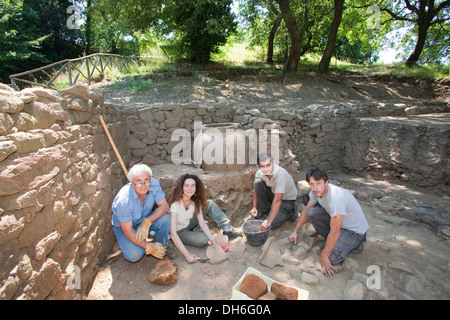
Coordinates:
340 201
281 182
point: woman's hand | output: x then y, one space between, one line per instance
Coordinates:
191 258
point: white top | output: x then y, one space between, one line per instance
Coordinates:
281 182
340 201
183 216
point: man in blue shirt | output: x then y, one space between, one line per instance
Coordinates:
134 217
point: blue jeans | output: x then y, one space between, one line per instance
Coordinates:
347 240
133 252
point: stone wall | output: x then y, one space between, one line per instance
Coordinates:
58 177
414 149
313 136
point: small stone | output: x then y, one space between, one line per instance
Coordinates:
268 296
413 285
300 253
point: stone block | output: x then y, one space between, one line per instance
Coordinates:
283 292
43 282
354 290
76 90
46 245
6 148
6 122
27 142
164 273
309 278
11 104
253 286
10 227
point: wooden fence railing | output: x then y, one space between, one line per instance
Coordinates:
73 69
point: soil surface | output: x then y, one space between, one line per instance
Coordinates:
413 256
254 87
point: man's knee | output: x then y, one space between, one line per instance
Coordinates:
313 213
164 219
134 255
259 185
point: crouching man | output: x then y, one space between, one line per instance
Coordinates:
339 219
134 215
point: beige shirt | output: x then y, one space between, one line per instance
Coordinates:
281 182
183 216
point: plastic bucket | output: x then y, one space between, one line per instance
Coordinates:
252 232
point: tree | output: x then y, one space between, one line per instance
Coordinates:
20 40
200 25
264 20
423 14
332 36
295 33
62 42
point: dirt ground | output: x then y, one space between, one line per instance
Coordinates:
400 247
254 87
413 259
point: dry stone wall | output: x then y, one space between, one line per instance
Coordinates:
414 150
58 177
315 136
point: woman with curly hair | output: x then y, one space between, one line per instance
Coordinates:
189 197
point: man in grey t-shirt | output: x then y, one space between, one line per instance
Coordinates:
339 219
274 194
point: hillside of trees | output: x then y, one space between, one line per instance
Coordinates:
35 32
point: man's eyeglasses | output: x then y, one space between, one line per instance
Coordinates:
141 184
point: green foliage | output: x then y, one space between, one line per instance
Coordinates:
35 32
51 19
199 26
20 40
135 84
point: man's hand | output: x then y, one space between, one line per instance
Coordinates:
293 237
327 267
265 225
142 231
253 213
156 249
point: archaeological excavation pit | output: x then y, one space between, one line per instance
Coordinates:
59 174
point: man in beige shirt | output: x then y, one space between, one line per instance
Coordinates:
274 194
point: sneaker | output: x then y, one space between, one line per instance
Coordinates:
232 233
294 217
359 249
171 253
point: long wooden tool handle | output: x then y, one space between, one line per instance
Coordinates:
113 145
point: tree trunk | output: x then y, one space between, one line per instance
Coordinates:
271 37
295 34
423 24
88 27
324 64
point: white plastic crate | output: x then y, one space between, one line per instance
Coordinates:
236 294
